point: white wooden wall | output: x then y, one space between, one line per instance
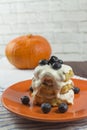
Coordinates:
62 22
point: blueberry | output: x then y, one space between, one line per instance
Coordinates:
60 61
53 59
45 107
63 107
43 62
76 90
56 65
25 100
31 89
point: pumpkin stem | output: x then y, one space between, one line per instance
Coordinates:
29 36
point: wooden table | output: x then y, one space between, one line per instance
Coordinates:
10 121
80 68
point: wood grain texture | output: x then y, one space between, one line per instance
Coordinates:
79 68
9 121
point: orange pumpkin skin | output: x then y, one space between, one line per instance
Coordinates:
25 52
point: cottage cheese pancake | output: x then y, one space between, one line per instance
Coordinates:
53 84
59 76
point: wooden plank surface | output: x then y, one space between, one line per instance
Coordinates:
10 121
79 68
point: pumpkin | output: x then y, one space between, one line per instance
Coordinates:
25 52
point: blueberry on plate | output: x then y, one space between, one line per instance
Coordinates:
53 59
46 107
63 107
43 62
56 65
25 100
76 90
60 61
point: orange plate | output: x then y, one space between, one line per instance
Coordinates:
11 100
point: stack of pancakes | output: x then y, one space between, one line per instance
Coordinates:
52 86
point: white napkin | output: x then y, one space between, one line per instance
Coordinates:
10 75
